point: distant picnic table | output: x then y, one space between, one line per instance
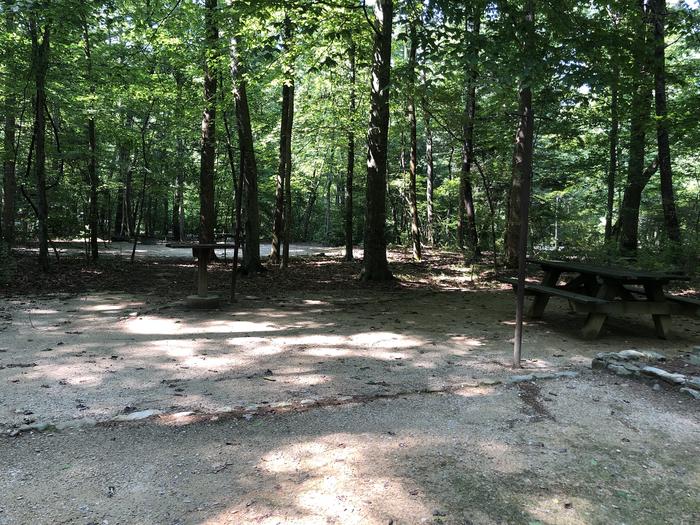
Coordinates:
202 299
600 291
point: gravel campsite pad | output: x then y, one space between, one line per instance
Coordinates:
319 402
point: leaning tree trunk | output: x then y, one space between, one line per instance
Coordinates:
93 177
375 265
637 175
350 170
249 169
413 159
207 213
9 175
467 210
668 201
40 53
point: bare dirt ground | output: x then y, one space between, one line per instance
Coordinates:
435 439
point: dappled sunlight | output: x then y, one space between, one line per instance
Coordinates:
158 325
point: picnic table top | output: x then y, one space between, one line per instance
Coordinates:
199 245
611 272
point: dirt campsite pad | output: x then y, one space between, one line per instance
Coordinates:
316 399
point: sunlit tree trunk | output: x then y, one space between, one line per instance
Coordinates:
375 264
207 213
249 169
412 126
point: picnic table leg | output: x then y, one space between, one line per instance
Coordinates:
202 284
540 302
595 320
662 322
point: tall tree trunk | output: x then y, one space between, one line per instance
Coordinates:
278 227
668 201
637 176
523 152
207 212
375 265
9 176
93 177
412 125
429 179
249 169
467 209
614 139
178 202
350 170
287 233
40 53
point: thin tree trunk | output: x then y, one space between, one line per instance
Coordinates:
522 166
40 51
207 212
612 168
350 170
249 170
313 194
92 145
412 125
467 208
668 201
9 160
375 264
429 180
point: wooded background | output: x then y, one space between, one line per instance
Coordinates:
127 118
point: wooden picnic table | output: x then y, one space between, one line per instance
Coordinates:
600 291
201 250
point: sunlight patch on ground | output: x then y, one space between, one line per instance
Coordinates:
40 311
106 307
560 509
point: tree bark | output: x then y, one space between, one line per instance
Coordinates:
93 176
614 140
249 169
375 264
40 52
467 210
287 231
673 231
429 180
412 126
207 212
637 176
350 170
523 152
9 160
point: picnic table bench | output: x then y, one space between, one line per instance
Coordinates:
201 251
600 291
